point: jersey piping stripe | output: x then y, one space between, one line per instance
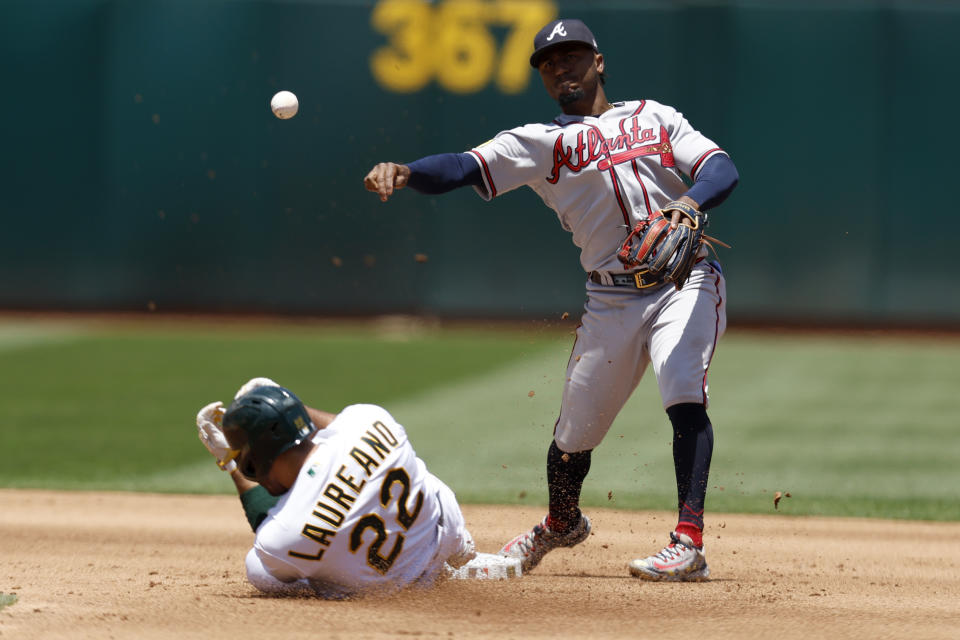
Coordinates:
716 332
486 172
636 168
573 349
646 197
613 176
699 163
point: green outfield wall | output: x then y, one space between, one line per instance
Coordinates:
142 168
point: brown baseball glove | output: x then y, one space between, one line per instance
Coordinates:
667 253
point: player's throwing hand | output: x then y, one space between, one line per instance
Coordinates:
385 177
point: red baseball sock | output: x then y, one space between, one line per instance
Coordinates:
695 534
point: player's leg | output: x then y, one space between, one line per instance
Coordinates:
456 546
566 472
601 374
606 364
564 525
682 346
692 453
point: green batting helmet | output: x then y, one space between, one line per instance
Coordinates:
262 424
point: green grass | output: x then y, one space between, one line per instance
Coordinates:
849 425
7 599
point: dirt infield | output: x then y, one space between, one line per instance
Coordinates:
105 565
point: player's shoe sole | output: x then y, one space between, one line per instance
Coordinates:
679 561
530 547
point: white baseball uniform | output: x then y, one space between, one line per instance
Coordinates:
601 175
364 515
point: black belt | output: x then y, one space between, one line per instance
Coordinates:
635 280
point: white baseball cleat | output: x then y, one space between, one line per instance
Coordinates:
679 561
530 547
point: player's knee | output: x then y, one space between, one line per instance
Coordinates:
572 442
557 451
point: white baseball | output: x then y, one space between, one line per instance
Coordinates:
284 105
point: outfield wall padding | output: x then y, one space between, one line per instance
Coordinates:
142 168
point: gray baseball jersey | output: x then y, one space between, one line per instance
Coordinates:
601 175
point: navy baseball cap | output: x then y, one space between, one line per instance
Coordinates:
561 31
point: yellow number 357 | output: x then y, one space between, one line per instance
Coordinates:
452 42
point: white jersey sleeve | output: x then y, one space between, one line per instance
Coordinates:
690 147
364 514
512 159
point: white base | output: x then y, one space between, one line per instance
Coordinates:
487 566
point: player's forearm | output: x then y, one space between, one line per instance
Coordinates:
320 418
256 502
717 179
241 483
444 172
255 499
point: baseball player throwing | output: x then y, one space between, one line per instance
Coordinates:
606 169
341 504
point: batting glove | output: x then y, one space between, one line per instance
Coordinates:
253 383
210 429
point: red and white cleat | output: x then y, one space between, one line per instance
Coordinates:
530 547
679 561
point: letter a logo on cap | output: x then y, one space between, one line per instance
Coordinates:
557 30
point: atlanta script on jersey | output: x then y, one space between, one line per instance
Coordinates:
601 175
363 515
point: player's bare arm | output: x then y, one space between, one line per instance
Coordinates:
385 177
321 418
242 484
